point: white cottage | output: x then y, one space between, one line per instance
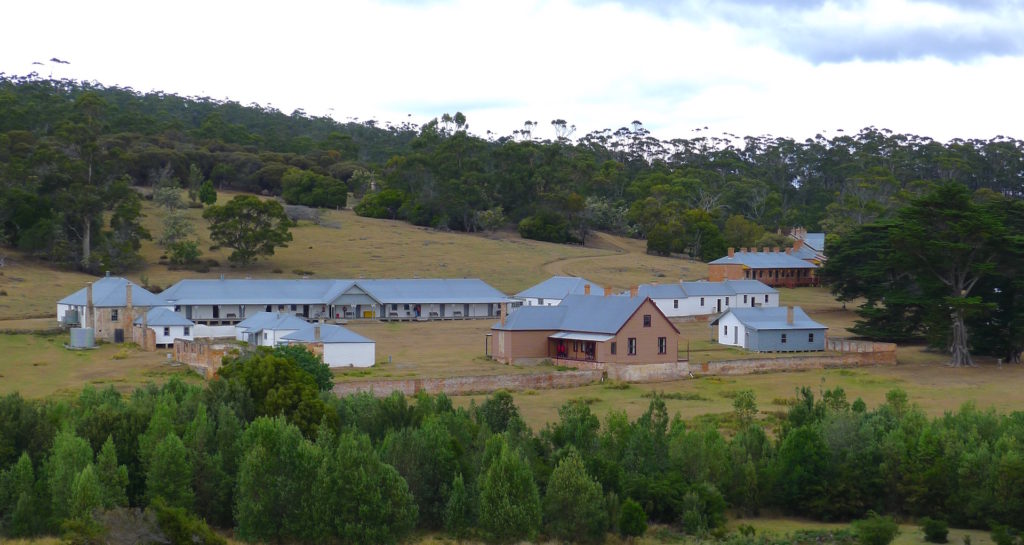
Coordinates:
764 329
339 347
550 292
267 328
689 299
166 326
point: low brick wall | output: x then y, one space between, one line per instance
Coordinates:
651 372
471 384
794 363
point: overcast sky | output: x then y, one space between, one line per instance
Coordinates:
940 68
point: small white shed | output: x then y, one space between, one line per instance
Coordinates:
267 328
167 326
341 347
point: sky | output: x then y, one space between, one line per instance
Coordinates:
793 68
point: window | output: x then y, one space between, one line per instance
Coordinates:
647 320
177 308
614 348
268 308
265 337
293 308
725 330
394 306
406 307
631 346
810 337
540 300
701 301
188 331
113 315
280 307
167 332
726 301
783 338
675 303
662 345
766 298
744 299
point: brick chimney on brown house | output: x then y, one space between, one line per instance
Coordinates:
586 289
607 291
316 332
633 291
799 243
789 315
504 313
732 252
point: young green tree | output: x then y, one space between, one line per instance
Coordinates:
875 529
509 502
250 226
113 478
69 456
207 194
574 507
632 519
23 514
457 512
86 493
308 362
170 474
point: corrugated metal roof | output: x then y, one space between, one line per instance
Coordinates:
273 321
109 291
683 290
233 291
432 290
804 252
764 260
749 286
596 314
329 334
558 287
534 319
323 291
815 240
162 316
771 318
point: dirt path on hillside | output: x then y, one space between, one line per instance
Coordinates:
600 241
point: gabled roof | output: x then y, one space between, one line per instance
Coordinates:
432 290
162 316
815 241
749 286
764 260
770 318
557 287
232 291
329 334
578 313
805 252
110 291
274 321
702 288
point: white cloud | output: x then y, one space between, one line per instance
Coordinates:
730 66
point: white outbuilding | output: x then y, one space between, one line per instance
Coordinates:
267 328
339 347
166 326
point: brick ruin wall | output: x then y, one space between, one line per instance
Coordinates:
471 384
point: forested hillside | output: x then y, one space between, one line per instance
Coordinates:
69 151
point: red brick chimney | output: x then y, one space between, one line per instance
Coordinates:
798 244
586 289
607 291
316 332
775 249
504 313
789 315
633 291
766 249
732 252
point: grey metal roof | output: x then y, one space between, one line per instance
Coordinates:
815 240
163 316
581 313
764 260
534 319
804 252
770 318
749 286
682 290
110 291
432 290
248 291
273 321
329 334
661 291
558 287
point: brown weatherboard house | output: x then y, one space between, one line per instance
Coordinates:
588 329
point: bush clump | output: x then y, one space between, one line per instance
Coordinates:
875 529
935 530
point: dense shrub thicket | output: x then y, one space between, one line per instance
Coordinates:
264 451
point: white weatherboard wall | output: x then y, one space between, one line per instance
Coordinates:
690 306
540 302
213 331
349 354
731 331
174 332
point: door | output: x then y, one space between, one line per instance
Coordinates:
719 305
465 312
188 311
735 335
442 310
305 311
216 311
118 335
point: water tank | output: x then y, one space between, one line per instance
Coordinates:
82 337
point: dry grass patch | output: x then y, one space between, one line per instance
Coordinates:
40 366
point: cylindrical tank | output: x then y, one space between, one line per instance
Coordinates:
82 337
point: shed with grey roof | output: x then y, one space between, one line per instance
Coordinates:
551 291
166 326
778 329
266 328
337 345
